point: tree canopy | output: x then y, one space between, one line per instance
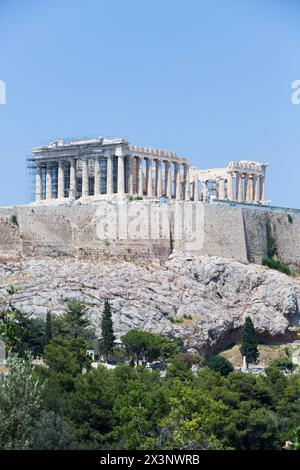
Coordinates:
67 404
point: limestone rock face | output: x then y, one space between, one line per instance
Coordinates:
216 293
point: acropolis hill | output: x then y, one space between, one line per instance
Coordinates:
106 198
162 240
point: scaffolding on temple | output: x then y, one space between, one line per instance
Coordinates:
89 157
31 178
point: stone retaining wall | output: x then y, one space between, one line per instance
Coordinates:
143 229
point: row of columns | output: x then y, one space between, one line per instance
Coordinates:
240 187
249 187
135 182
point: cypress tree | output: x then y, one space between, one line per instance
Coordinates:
108 337
249 342
48 332
75 319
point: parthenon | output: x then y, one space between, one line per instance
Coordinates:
112 169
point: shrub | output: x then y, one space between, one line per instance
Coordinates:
130 198
175 320
271 243
11 290
187 317
14 220
284 364
220 364
290 219
277 265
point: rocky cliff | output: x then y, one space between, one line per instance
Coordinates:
202 299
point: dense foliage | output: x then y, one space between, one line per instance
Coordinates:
67 404
220 364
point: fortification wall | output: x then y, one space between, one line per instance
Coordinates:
144 229
224 233
273 231
99 230
9 235
285 229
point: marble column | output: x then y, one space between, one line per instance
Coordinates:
250 187
229 187
109 182
204 191
236 184
85 177
72 193
60 180
253 186
186 173
121 175
158 180
257 189
240 188
262 188
195 189
246 186
221 194
129 174
139 170
249 184
177 181
49 181
149 189
97 189
168 179
38 183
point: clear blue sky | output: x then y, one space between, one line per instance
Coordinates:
209 79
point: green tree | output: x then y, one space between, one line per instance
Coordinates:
193 420
180 369
296 439
48 332
23 335
9 330
73 324
50 432
141 344
138 407
220 364
107 331
66 356
32 335
75 319
251 426
249 342
168 348
89 406
20 404
283 363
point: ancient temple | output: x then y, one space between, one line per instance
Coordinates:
112 169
